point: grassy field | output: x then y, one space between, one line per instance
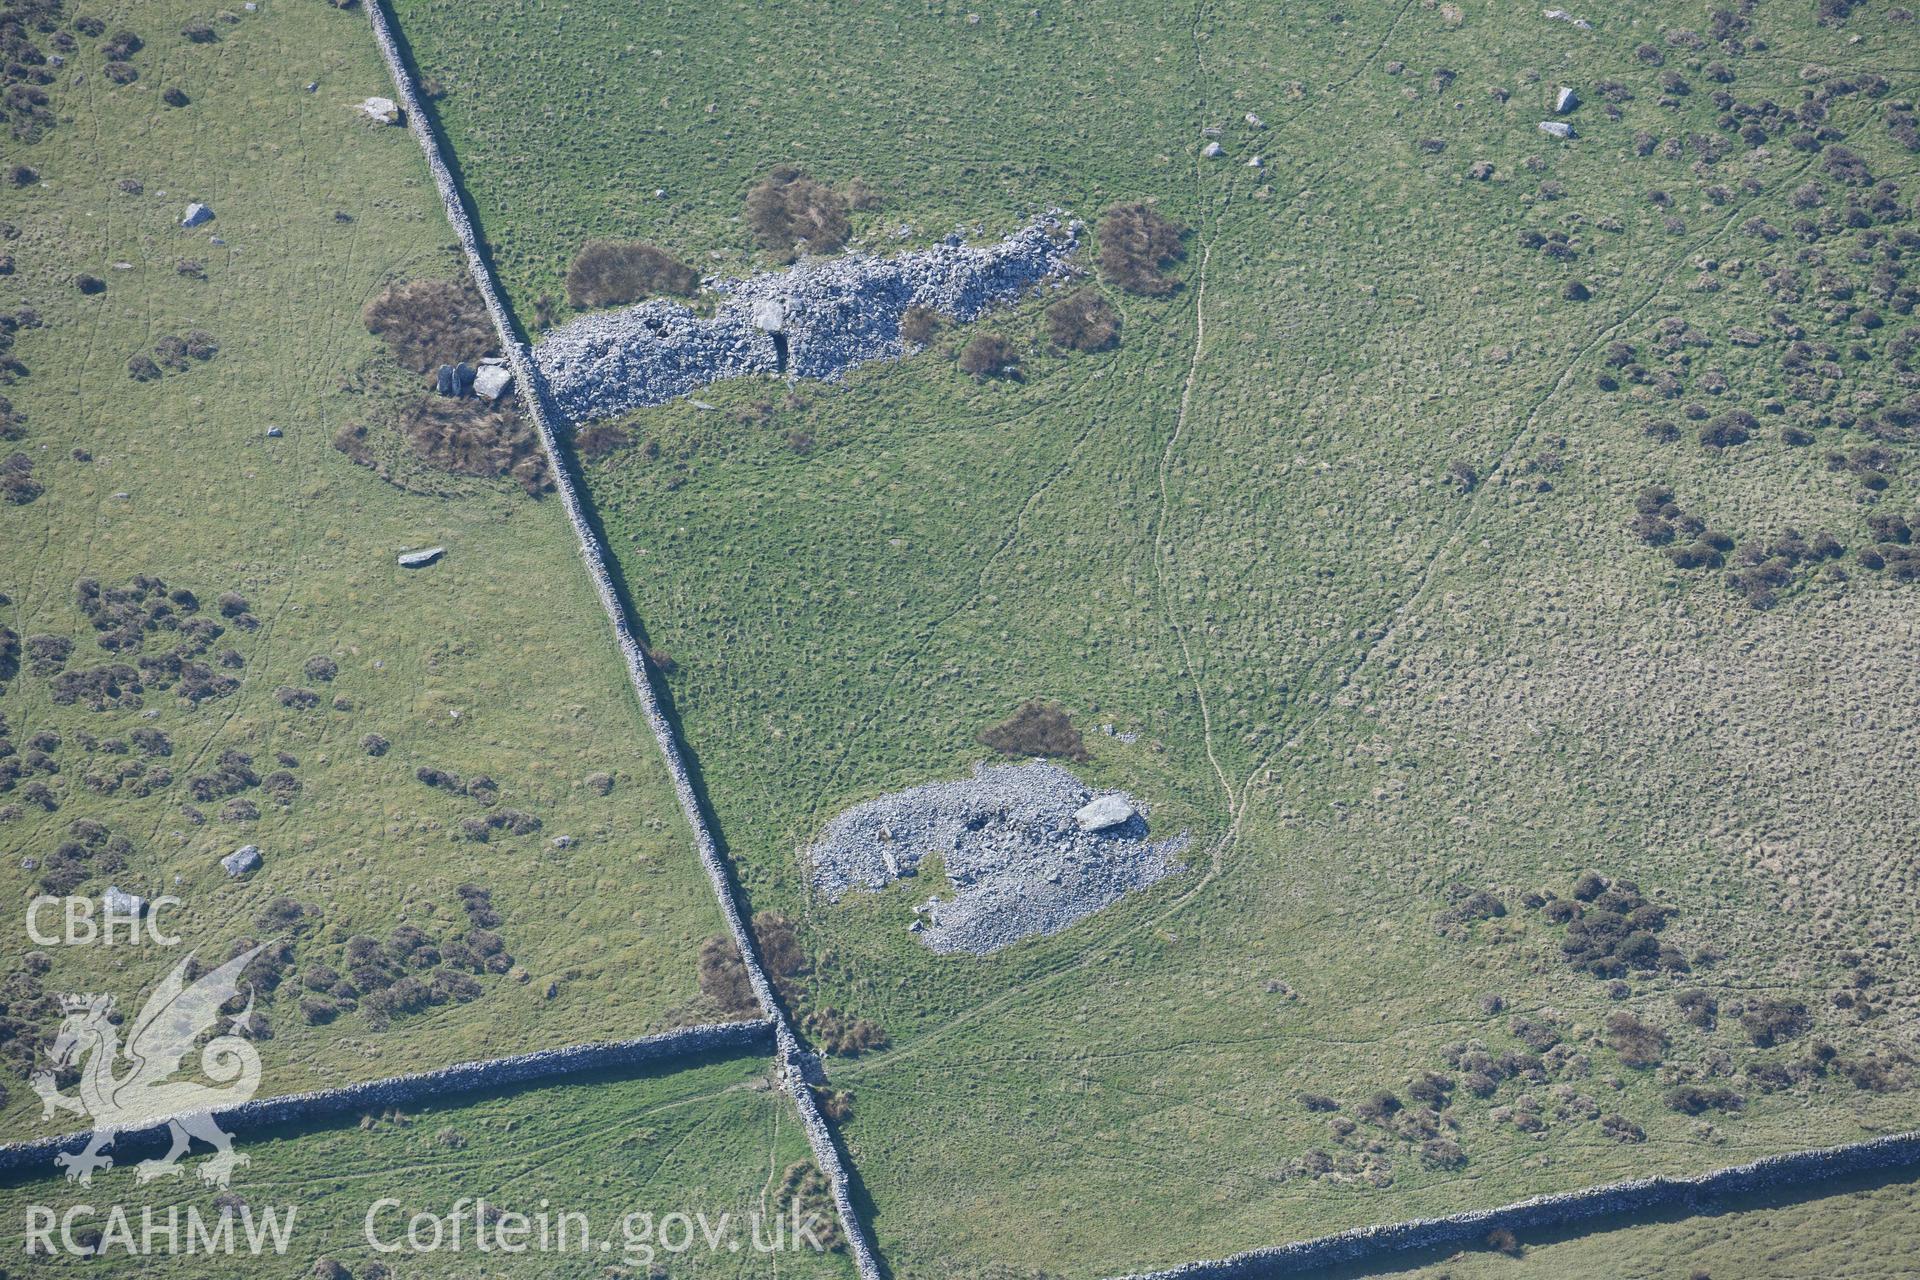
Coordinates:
1854 1234
1346 531
714 1139
495 661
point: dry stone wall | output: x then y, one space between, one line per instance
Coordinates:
545 1066
796 1064
1616 1200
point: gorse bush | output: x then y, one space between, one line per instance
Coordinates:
1769 1021
1137 243
599 440
723 976
788 208
919 325
607 273
1639 1044
841 1034
779 947
1083 321
990 356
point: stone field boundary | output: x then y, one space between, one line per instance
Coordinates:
523 1070
799 1069
1614 1200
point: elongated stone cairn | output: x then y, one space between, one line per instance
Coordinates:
817 319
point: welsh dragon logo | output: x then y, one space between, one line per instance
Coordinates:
175 1017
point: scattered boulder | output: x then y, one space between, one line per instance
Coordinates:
1557 128
242 860
196 215
381 110
1211 150
1564 100
422 558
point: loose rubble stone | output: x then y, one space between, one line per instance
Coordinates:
1558 128
242 860
1020 861
1561 15
196 214
816 319
1565 100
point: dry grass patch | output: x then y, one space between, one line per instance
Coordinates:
788 208
1137 244
476 438
1037 729
431 322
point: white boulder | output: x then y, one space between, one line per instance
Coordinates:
122 904
770 314
196 214
490 382
381 110
1104 812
